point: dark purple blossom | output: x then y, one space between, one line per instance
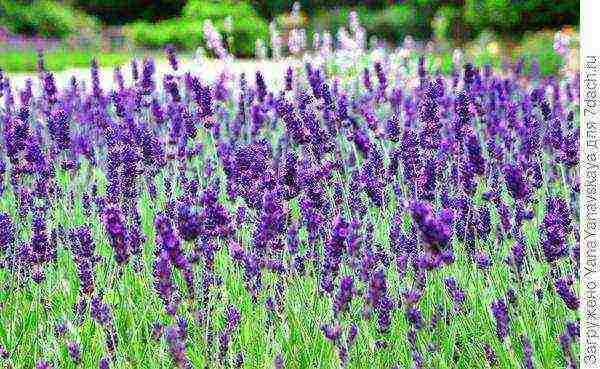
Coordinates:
114 223
74 351
500 312
172 56
565 291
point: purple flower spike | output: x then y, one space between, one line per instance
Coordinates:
278 362
104 363
500 311
490 355
114 224
43 364
7 232
527 353
564 290
74 351
332 332
4 354
515 182
344 295
172 56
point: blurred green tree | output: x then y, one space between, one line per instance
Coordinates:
116 12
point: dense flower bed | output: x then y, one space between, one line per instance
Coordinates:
386 218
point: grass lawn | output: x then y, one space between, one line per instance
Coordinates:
26 61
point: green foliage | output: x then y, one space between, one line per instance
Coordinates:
540 46
187 34
334 19
509 16
396 22
123 11
448 20
182 33
207 9
247 24
538 14
43 18
392 24
499 15
448 24
271 8
245 33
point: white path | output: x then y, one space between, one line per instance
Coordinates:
208 70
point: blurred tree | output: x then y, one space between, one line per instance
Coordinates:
518 16
271 8
538 14
123 11
44 18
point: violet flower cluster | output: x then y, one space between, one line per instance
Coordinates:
378 212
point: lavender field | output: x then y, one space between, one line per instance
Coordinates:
375 214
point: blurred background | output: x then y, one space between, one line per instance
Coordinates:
71 32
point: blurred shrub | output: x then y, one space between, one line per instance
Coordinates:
539 46
499 15
245 33
487 49
271 8
123 11
396 22
538 14
448 19
184 34
187 33
509 16
392 24
448 24
247 25
334 19
207 9
43 18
